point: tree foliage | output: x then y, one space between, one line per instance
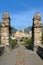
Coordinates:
13 42
27 41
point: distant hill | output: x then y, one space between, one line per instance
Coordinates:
42 27
29 28
25 30
13 30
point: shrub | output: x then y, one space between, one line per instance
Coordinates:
27 41
13 42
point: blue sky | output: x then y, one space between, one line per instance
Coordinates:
21 11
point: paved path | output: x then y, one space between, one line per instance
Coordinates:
20 56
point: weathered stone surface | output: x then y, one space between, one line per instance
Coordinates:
37 30
5 29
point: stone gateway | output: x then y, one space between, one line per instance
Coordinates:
5 29
37 30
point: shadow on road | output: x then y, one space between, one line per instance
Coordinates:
1 50
28 48
40 52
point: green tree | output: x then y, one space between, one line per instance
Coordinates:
27 41
13 42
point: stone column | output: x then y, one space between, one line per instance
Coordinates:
5 29
37 31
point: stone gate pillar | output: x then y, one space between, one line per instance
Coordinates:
37 31
5 30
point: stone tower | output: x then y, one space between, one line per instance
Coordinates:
22 28
5 29
37 30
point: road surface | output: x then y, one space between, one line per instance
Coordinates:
20 56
